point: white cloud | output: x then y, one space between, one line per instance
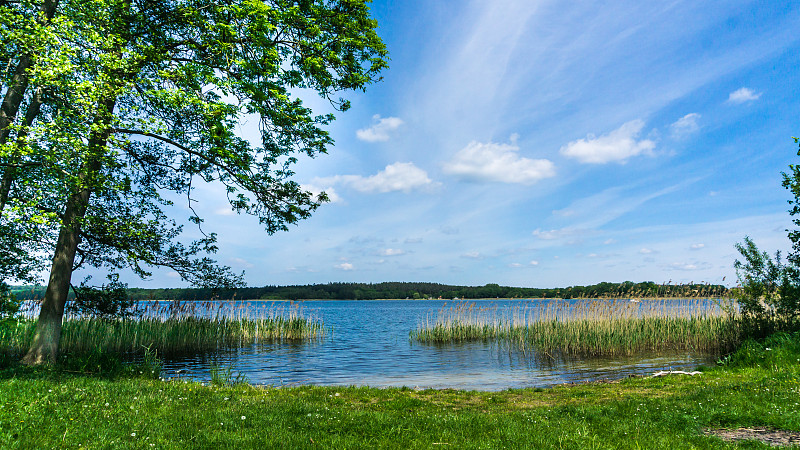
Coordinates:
697 246
743 95
380 130
535 263
393 252
242 262
515 265
683 266
685 126
225 211
395 177
344 266
499 163
616 146
646 251
333 197
472 255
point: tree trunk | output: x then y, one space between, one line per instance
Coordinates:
44 348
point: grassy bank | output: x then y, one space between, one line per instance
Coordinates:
759 388
593 327
172 329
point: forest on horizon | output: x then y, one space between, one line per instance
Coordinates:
410 290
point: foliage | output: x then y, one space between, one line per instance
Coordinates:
769 296
112 109
9 304
773 352
791 181
109 301
144 98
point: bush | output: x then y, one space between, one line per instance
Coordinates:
778 350
769 296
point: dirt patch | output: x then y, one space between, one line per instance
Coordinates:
773 437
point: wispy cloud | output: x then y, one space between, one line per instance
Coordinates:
550 235
689 266
685 126
381 129
743 95
616 146
501 163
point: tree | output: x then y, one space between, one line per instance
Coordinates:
769 297
137 98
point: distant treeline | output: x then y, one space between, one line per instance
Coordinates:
372 291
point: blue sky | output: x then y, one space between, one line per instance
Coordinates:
545 143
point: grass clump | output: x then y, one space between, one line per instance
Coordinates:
171 329
589 327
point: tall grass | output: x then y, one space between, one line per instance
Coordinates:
589 327
173 328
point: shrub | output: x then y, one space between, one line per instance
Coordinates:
769 296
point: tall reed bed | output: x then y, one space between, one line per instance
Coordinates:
175 328
588 327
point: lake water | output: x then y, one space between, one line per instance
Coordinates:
367 344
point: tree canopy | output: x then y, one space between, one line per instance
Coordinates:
110 105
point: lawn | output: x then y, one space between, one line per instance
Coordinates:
759 388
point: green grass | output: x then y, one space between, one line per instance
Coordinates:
591 327
51 408
169 330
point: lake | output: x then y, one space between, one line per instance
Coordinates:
367 344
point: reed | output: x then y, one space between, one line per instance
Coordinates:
174 328
589 327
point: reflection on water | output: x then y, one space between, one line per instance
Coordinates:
367 344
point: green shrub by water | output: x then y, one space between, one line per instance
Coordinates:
597 327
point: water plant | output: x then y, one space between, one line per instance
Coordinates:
588 327
173 328
222 375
